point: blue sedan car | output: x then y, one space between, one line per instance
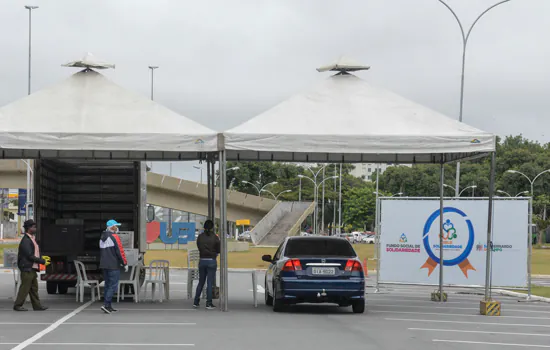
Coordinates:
315 270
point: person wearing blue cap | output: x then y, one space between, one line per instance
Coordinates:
112 257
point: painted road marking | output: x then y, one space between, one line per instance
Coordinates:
259 289
409 302
481 332
487 343
468 322
456 308
52 327
130 323
446 314
103 344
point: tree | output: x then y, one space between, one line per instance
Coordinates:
360 206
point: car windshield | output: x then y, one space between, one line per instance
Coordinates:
318 247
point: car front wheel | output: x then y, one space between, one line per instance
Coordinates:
268 297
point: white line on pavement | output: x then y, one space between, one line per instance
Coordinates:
147 310
487 343
448 314
259 289
468 322
481 332
130 323
456 308
52 327
409 302
103 344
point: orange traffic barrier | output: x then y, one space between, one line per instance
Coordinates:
42 267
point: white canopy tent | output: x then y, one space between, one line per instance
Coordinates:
347 120
88 116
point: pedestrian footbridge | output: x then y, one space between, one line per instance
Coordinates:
168 192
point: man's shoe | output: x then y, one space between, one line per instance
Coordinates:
19 308
210 307
106 309
112 310
41 308
195 306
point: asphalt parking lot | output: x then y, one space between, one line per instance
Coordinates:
397 318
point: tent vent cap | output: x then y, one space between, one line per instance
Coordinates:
89 61
343 64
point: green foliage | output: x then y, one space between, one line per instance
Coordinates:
513 152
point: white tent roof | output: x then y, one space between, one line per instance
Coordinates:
87 112
345 119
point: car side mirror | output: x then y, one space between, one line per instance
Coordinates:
267 258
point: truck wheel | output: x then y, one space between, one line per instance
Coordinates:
62 288
51 287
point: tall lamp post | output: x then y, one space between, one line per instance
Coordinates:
465 38
152 68
473 187
317 190
30 198
198 168
260 190
509 195
532 182
276 197
314 180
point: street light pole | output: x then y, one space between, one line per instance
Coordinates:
30 198
532 182
30 8
334 206
198 168
466 188
152 68
300 191
465 37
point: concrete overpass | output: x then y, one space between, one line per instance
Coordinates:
168 192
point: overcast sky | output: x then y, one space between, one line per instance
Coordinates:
224 61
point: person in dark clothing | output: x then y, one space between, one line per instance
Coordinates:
112 258
209 248
28 262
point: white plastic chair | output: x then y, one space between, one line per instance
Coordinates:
83 282
158 270
133 281
16 278
193 258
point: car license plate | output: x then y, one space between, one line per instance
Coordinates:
323 271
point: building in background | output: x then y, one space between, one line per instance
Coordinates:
366 171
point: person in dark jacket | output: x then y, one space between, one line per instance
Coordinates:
112 258
209 248
28 262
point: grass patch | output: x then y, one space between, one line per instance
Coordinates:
541 262
251 259
538 290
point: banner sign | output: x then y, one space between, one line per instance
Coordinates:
410 241
22 210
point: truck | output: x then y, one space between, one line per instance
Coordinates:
73 200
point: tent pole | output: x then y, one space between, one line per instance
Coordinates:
488 267
377 229
340 204
213 175
208 188
224 278
441 194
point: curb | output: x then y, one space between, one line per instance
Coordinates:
521 295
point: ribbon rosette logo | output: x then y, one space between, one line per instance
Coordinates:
458 240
